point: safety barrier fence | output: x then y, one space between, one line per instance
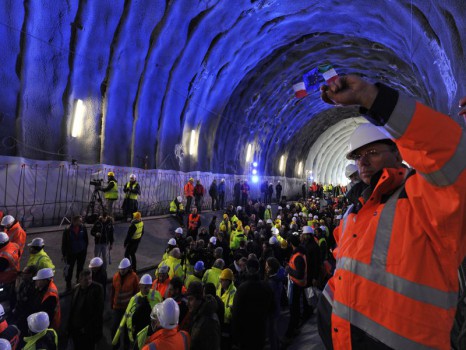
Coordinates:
43 193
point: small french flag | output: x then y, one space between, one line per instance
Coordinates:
299 90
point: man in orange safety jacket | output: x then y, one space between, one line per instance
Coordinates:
399 247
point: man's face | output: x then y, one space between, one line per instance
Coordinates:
144 289
193 303
172 292
41 284
162 277
124 271
225 284
375 157
85 281
194 211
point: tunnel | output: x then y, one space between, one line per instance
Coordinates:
206 86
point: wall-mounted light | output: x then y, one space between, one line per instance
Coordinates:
193 143
78 119
282 164
248 153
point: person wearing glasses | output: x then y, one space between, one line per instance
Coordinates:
395 284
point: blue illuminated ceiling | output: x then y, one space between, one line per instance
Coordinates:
151 71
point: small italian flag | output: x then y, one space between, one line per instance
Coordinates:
328 73
300 90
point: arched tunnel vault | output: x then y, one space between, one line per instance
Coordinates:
151 71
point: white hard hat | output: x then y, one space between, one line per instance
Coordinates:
300 213
43 274
287 206
260 222
146 279
310 215
132 176
293 219
4 238
38 322
363 135
315 217
37 242
223 180
7 220
167 312
179 198
2 311
350 170
279 217
295 215
96 262
124 263
269 221
308 229
179 230
239 208
275 231
4 344
213 240
172 242
273 240
278 181
269 207
279 207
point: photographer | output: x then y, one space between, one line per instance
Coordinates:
103 233
130 203
110 192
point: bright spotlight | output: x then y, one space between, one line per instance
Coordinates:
248 153
254 164
254 171
192 143
255 179
78 119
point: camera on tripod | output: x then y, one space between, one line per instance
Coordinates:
97 183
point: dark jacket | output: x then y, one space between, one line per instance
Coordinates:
106 231
205 326
67 240
213 190
86 312
253 306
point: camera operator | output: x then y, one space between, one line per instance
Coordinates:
110 192
130 203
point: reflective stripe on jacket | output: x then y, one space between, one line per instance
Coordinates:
34 339
139 230
130 186
405 242
227 298
17 235
40 260
124 289
189 190
299 281
193 221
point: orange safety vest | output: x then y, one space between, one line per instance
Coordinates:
168 339
300 282
124 291
52 291
189 189
10 252
398 254
17 235
193 221
161 287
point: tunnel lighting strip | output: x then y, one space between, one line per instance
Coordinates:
78 119
248 153
192 142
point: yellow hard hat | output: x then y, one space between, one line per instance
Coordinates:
191 179
137 215
226 274
111 173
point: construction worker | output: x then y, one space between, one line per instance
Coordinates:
9 260
189 193
125 284
42 337
164 328
132 190
135 233
99 273
47 296
14 230
110 192
213 275
8 331
197 274
194 222
162 280
38 257
174 263
226 291
404 239
137 313
177 209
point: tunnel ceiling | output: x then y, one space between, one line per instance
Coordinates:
149 72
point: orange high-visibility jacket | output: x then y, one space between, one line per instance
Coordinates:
52 291
123 289
189 189
17 235
10 252
168 339
398 254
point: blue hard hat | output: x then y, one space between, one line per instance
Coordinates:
199 266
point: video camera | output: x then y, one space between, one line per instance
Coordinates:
97 183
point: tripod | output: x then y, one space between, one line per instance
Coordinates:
96 198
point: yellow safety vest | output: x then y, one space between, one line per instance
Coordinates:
139 228
32 340
113 192
40 260
131 195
